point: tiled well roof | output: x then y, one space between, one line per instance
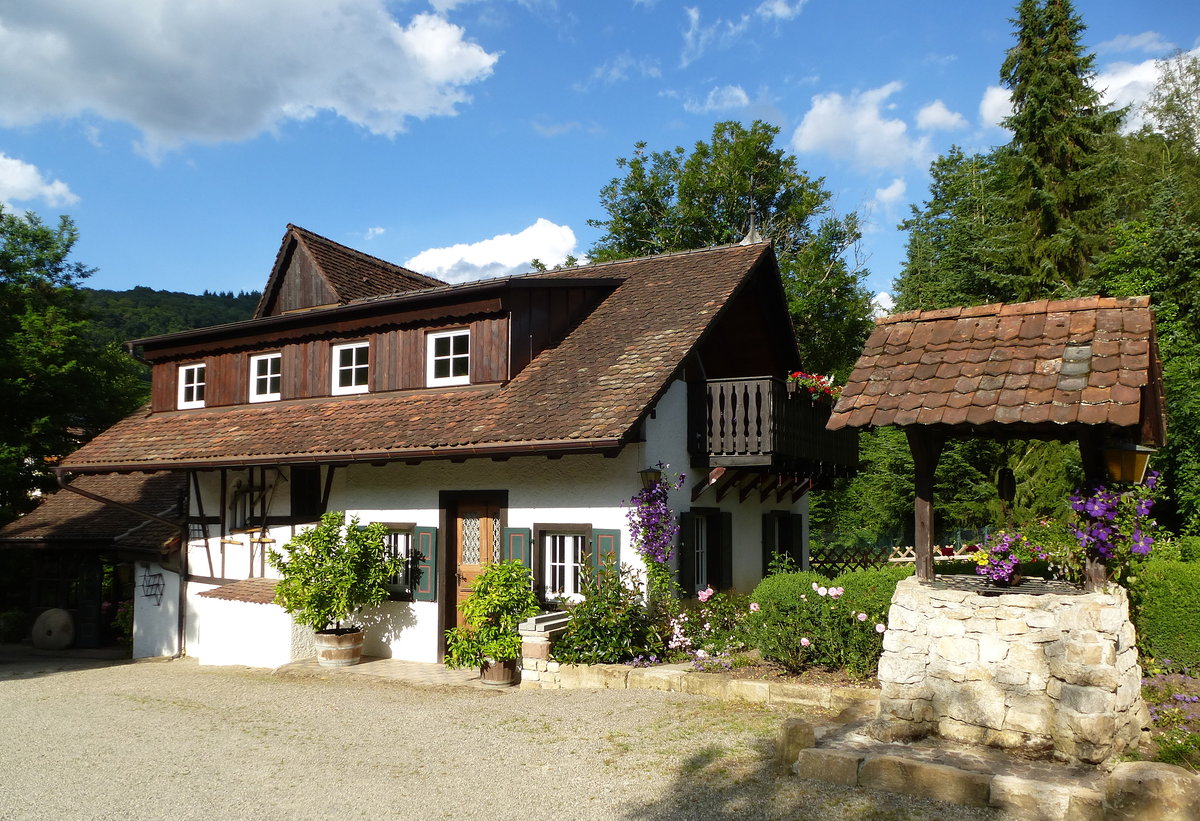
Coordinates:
65 517
588 392
1091 361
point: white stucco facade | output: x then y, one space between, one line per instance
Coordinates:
585 489
155 611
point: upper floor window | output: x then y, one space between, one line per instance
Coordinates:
350 367
448 357
265 375
191 385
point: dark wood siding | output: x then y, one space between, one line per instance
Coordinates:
163 386
489 349
543 316
228 379
302 286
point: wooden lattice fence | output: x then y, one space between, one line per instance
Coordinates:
907 554
830 560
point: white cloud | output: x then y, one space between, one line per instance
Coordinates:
22 182
721 98
1128 84
1148 42
882 304
854 128
622 67
936 117
994 106
780 9
501 255
892 194
373 232
229 71
697 38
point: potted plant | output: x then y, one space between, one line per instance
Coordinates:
502 598
327 574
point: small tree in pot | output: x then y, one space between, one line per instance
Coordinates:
329 573
502 598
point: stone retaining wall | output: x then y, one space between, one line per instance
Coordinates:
1052 674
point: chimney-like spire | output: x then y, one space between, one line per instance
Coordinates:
752 236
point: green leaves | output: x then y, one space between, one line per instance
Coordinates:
330 572
501 599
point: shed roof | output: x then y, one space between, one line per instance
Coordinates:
65 517
588 392
1023 368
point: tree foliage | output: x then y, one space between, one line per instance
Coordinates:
59 387
675 200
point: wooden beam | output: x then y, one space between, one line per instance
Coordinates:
704 484
1095 474
801 489
926 448
726 482
785 482
748 487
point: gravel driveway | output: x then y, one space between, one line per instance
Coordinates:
179 741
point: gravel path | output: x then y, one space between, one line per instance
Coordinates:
179 741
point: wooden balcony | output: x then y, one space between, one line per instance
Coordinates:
756 423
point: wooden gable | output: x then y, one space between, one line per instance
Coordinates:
297 282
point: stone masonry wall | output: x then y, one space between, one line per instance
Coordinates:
1052 675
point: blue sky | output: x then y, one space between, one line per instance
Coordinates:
465 137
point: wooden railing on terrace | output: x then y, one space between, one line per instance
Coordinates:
755 423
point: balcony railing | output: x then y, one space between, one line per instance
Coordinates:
756 423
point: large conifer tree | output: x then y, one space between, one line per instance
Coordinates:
1059 127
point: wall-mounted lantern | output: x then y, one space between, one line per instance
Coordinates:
1126 462
650 477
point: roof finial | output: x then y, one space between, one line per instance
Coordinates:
752 236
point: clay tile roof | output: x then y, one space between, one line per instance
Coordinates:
67 517
588 392
1091 361
253 591
351 274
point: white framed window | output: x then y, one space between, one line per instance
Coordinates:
266 371
191 385
351 364
448 357
399 544
565 557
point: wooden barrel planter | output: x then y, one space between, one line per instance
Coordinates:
499 673
339 648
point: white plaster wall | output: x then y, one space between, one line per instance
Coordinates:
253 635
402 630
155 621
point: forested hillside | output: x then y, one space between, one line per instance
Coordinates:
119 316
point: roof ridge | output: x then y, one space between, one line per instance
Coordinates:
435 282
665 254
1035 306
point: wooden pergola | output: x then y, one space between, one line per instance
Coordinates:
1082 369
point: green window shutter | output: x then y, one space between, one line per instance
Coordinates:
517 545
687 553
796 539
720 561
605 543
425 563
768 541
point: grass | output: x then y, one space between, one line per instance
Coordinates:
1173 696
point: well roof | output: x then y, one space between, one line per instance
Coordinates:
588 392
1032 367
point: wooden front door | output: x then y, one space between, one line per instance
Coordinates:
477 540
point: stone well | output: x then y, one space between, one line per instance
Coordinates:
1054 674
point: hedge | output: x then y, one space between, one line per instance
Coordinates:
1166 610
870 591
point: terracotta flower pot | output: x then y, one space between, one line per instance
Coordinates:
339 648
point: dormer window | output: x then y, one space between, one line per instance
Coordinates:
265 376
448 358
351 364
191 385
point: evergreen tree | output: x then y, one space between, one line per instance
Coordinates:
1060 130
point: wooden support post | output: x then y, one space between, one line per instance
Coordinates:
1095 474
926 447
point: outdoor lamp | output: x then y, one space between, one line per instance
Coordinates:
650 477
1126 461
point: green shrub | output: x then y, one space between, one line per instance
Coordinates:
1166 609
784 627
501 599
611 623
871 590
1189 548
716 623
